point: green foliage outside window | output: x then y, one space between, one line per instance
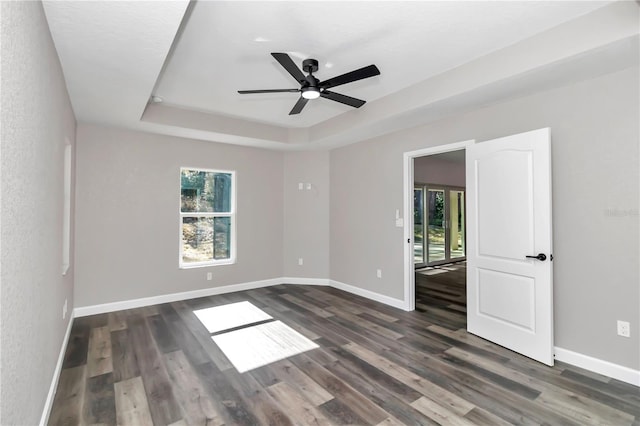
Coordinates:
206 203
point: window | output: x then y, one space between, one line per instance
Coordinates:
207 217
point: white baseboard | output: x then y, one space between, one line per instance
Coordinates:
396 303
84 311
619 372
46 411
305 281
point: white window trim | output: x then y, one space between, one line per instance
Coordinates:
66 209
232 214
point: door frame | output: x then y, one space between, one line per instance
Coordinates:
408 183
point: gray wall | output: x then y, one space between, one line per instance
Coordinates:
36 119
127 223
306 214
434 170
594 127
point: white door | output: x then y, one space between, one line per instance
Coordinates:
509 294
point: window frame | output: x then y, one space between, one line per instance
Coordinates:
232 215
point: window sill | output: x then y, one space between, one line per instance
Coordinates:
207 264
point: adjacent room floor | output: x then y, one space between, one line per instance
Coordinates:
317 355
441 294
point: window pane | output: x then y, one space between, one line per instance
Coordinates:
197 239
456 217
418 215
222 237
203 191
436 225
205 239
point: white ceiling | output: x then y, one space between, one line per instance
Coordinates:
196 56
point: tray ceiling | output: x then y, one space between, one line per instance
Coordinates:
196 55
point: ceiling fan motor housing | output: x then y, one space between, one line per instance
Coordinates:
310 65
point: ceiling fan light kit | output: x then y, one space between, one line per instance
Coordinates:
310 92
312 88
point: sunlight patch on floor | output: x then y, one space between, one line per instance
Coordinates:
220 318
441 269
253 347
240 331
433 272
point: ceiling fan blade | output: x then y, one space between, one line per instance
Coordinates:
356 75
288 64
244 92
343 99
298 106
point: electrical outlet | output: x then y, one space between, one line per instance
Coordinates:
300 261
624 329
209 276
300 186
379 273
64 309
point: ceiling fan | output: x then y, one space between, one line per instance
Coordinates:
312 88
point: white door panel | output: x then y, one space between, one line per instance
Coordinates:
505 298
509 296
514 199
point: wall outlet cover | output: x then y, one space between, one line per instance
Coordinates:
624 329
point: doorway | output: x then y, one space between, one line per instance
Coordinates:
444 246
439 222
439 237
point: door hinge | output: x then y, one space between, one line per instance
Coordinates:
408 240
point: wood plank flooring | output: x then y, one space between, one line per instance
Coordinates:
375 365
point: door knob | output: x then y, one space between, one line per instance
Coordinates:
541 256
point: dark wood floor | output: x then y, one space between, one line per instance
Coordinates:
374 365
